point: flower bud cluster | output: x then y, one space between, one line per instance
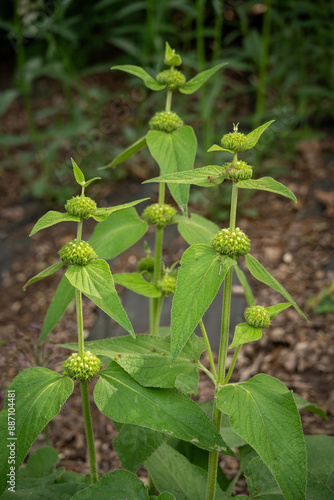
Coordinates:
257 316
146 265
165 121
82 367
167 284
233 243
159 215
171 77
238 171
234 141
77 252
81 206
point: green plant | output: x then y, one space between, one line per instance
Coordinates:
146 386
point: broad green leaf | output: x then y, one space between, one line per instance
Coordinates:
148 359
116 485
121 398
195 83
61 300
267 184
78 174
63 491
51 218
263 412
138 284
320 457
196 229
244 333
255 135
274 310
148 80
165 496
188 382
127 153
134 444
303 404
44 274
200 275
96 282
117 233
87 183
208 176
261 274
173 472
215 147
39 395
260 481
245 285
174 153
317 490
102 214
40 463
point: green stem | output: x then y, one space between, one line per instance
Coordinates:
213 459
229 374
157 314
234 199
78 299
89 431
169 101
209 374
208 346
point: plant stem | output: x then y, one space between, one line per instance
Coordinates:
208 346
213 459
168 103
89 431
78 300
229 374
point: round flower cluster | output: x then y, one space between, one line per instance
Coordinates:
233 243
146 265
81 206
173 78
167 284
234 141
238 171
82 367
159 215
257 316
166 121
75 252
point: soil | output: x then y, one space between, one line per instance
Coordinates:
294 242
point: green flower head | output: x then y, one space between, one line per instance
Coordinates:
257 316
146 265
238 171
82 367
234 141
167 284
233 243
165 121
171 77
81 206
75 252
159 215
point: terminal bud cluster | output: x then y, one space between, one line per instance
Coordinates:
257 316
82 367
159 215
171 77
165 121
234 141
167 284
81 206
233 243
77 253
238 170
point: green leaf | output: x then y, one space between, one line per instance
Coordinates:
121 398
171 58
51 218
215 147
320 457
200 275
40 463
148 359
44 274
195 83
103 213
317 490
267 184
260 481
61 300
165 496
134 444
261 274
87 183
96 282
208 176
117 233
303 404
196 229
174 153
127 153
136 283
188 382
244 333
148 80
116 485
274 310
255 135
263 412
173 472
39 395
78 174
63 491
245 285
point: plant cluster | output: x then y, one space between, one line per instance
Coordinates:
145 381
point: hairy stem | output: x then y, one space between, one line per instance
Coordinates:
213 459
229 374
208 346
89 431
78 300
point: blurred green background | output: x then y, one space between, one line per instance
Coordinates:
58 97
